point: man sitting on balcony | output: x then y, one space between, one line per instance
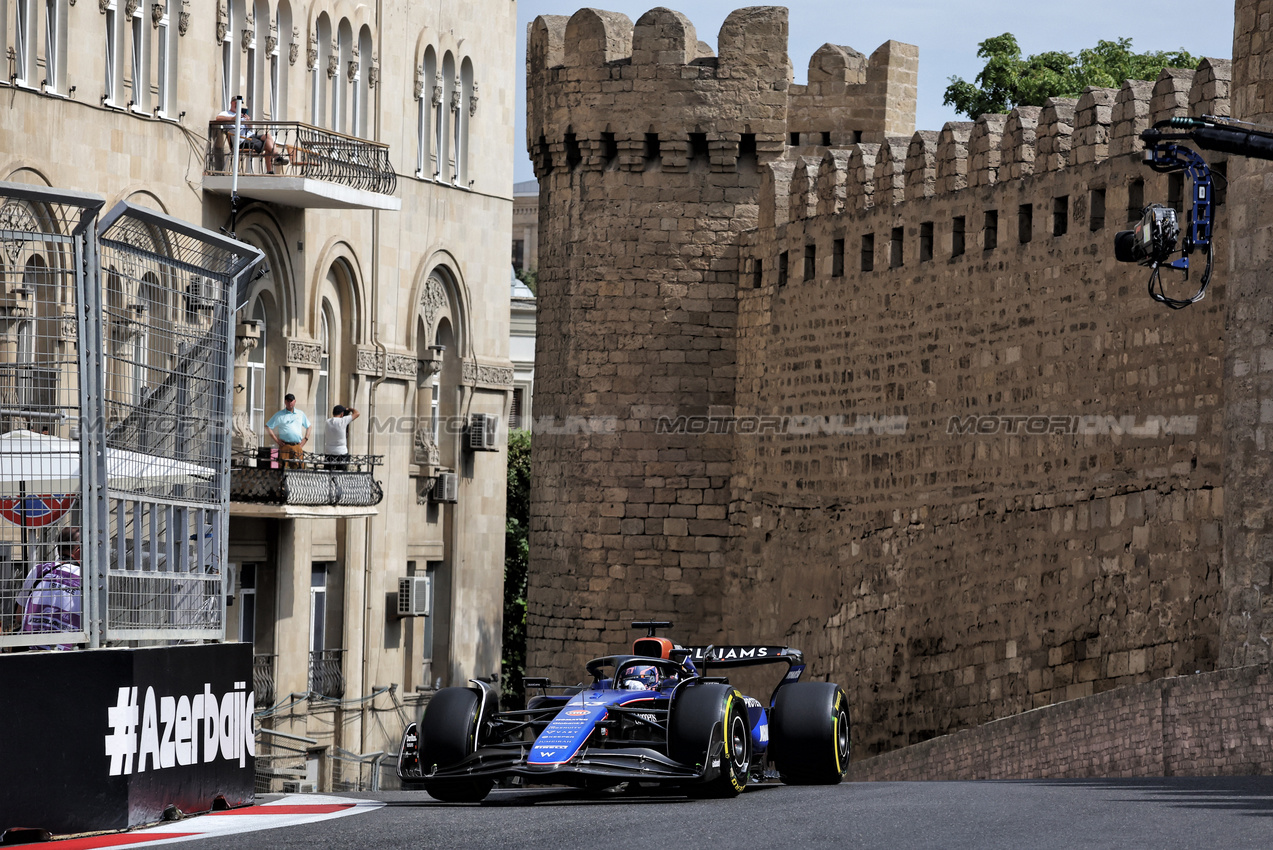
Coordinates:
256 143
289 428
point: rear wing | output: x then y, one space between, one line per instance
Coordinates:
744 656
751 656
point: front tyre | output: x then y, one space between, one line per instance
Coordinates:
707 726
809 733
460 790
448 735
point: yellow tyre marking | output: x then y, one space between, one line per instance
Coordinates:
835 732
729 733
729 736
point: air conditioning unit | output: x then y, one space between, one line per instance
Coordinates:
446 488
482 431
413 596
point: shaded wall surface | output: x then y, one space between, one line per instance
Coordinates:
1000 484
1210 724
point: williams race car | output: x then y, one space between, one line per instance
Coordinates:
651 718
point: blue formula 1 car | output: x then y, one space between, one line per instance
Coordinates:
650 718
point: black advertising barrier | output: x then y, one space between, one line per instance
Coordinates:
108 738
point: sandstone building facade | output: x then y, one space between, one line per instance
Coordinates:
885 395
387 290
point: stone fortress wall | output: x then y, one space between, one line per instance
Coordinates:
722 249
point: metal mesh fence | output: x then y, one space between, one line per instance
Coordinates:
167 304
114 462
165 337
44 256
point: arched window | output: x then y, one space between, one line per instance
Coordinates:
322 72
155 337
439 348
256 58
167 39
462 145
35 279
111 71
443 404
341 82
255 386
55 45
50 350
427 153
139 68
278 67
449 110
24 41
116 332
362 84
230 72
322 392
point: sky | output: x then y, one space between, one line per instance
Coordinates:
947 34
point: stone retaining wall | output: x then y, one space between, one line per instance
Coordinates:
1207 724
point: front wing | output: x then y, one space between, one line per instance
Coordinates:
497 761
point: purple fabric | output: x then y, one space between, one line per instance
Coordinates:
54 603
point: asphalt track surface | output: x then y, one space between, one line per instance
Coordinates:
1229 812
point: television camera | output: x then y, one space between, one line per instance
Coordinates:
1153 241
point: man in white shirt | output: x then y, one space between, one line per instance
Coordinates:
337 434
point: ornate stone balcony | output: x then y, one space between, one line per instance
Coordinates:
317 485
310 167
326 673
263 679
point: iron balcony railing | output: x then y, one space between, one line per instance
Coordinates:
326 674
263 680
302 150
314 480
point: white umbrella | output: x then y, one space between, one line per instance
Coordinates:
40 463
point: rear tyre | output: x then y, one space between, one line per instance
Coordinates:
707 726
809 733
448 735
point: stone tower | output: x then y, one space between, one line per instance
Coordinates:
1247 580
650 152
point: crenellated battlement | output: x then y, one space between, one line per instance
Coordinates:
606 94
1064 132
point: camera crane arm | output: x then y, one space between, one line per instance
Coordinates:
1223 135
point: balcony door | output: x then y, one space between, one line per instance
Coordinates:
318 607
247 603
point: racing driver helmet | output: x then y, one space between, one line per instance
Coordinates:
642 678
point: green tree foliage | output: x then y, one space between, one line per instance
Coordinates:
516 560
1009 79
530 277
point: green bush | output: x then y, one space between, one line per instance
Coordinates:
516 560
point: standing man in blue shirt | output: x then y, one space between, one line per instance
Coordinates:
289 428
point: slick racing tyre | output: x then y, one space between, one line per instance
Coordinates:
448 735
707 725
809 733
